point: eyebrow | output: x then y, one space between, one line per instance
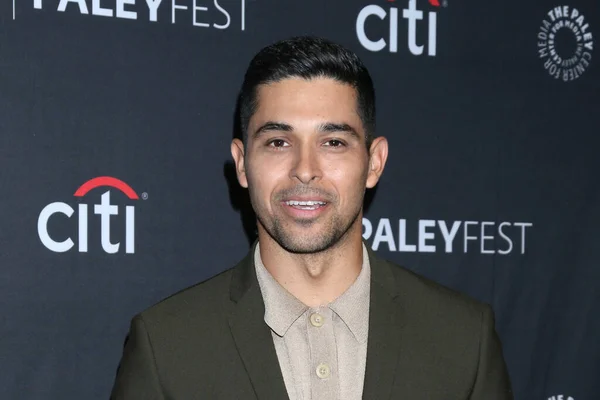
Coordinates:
272 126
333 127
327 127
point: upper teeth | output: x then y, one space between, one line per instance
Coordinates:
304 203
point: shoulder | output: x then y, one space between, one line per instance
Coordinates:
434 301
436 317
207 300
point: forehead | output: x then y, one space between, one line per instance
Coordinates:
302 99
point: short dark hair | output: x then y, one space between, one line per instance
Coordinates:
307 57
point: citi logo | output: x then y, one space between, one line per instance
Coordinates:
413 16
105 210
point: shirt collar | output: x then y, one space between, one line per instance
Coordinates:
282 309
353 305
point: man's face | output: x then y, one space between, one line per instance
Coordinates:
305 164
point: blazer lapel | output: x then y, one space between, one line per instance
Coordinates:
385 329
251 334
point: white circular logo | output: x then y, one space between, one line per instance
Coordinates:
565 43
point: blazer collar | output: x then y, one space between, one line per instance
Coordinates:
251 335
386 325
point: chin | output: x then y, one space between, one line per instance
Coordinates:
305 242
308 236
303 247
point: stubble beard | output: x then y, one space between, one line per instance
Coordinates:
332 233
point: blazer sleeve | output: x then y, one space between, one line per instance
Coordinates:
492 381
137 375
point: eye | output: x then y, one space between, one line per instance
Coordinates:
334 143
277 143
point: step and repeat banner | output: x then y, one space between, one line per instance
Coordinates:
118 188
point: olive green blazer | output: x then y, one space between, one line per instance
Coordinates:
210 341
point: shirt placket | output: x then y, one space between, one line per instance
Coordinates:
324 374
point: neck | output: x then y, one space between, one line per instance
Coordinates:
319 278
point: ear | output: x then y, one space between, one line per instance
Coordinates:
237 152
377 157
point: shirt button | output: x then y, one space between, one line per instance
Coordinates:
323 371
317 320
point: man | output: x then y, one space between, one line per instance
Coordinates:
311 313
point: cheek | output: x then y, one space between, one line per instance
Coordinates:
263 183
349 181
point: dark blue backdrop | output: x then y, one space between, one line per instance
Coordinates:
491 110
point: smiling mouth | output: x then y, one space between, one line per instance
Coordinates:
306 205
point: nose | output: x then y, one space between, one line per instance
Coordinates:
306 167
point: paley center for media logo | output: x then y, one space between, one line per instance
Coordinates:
441 236
565 43
104 209
210 14
416 22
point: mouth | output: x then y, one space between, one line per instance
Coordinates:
305 205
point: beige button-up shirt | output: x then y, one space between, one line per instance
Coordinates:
322 351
